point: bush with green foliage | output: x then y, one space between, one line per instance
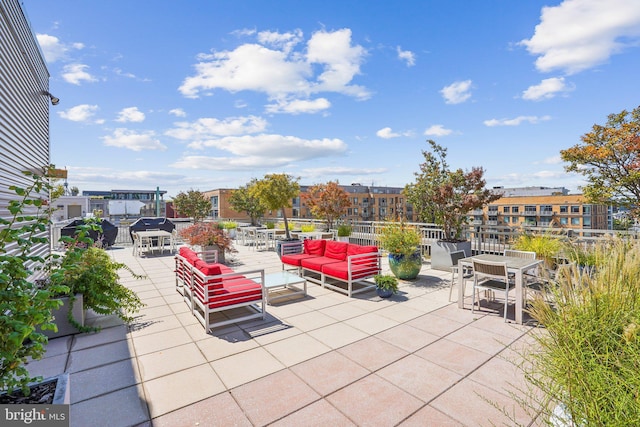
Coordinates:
23 306
546 246
587 357
344 230
399 238
89 270
386 282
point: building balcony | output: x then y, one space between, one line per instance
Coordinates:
546 213
477 212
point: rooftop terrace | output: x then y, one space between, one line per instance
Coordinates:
415 359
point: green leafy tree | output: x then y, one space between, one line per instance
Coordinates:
23 305
327 201
277 192
446 196
609 158
242 200
192 204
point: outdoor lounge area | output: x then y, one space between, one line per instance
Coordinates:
319 358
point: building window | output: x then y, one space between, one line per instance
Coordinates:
586 221
586 209
575 221
506 209
564 221
564 209
355 200
575 209
515 209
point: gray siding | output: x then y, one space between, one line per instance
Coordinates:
24 110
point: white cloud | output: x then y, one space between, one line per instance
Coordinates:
275 146
580 34
407 56
555 160
457 92
208 128
314 173
284 41
298 106
265 150
516 121
437 130
130 114
547 89
275 68
178 112
387 133
53 49
131 140
79 113
75 74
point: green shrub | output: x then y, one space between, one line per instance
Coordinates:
344 230
24 306
546 246
307 228
386 282
587 356
399 238
229 225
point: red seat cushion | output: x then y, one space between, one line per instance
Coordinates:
314 247
359 250
316 263
336 250
295 259
208 269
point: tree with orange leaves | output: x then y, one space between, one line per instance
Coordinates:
327 201
609 158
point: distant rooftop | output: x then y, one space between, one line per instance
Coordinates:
531 191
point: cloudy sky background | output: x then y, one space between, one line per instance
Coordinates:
204 95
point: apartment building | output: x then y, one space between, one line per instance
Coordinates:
368 203
542 207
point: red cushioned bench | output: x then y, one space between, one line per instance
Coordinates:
326 262
211 288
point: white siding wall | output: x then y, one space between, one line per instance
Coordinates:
24 110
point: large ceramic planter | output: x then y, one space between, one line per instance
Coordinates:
62 321
405 267
440 253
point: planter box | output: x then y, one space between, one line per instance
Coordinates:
60 395
440 253
64 327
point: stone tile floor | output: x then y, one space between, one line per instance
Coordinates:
321 360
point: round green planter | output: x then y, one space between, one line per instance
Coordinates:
405 267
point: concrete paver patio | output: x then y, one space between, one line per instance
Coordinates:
325 359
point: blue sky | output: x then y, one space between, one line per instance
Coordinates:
210 94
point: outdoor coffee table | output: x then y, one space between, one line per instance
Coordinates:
284 280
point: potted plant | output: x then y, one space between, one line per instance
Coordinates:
445 197
25 309
230 228
402 242
208 236
93 274
386 285
344 231
276 191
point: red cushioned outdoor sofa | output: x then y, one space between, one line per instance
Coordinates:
212 288
340 266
